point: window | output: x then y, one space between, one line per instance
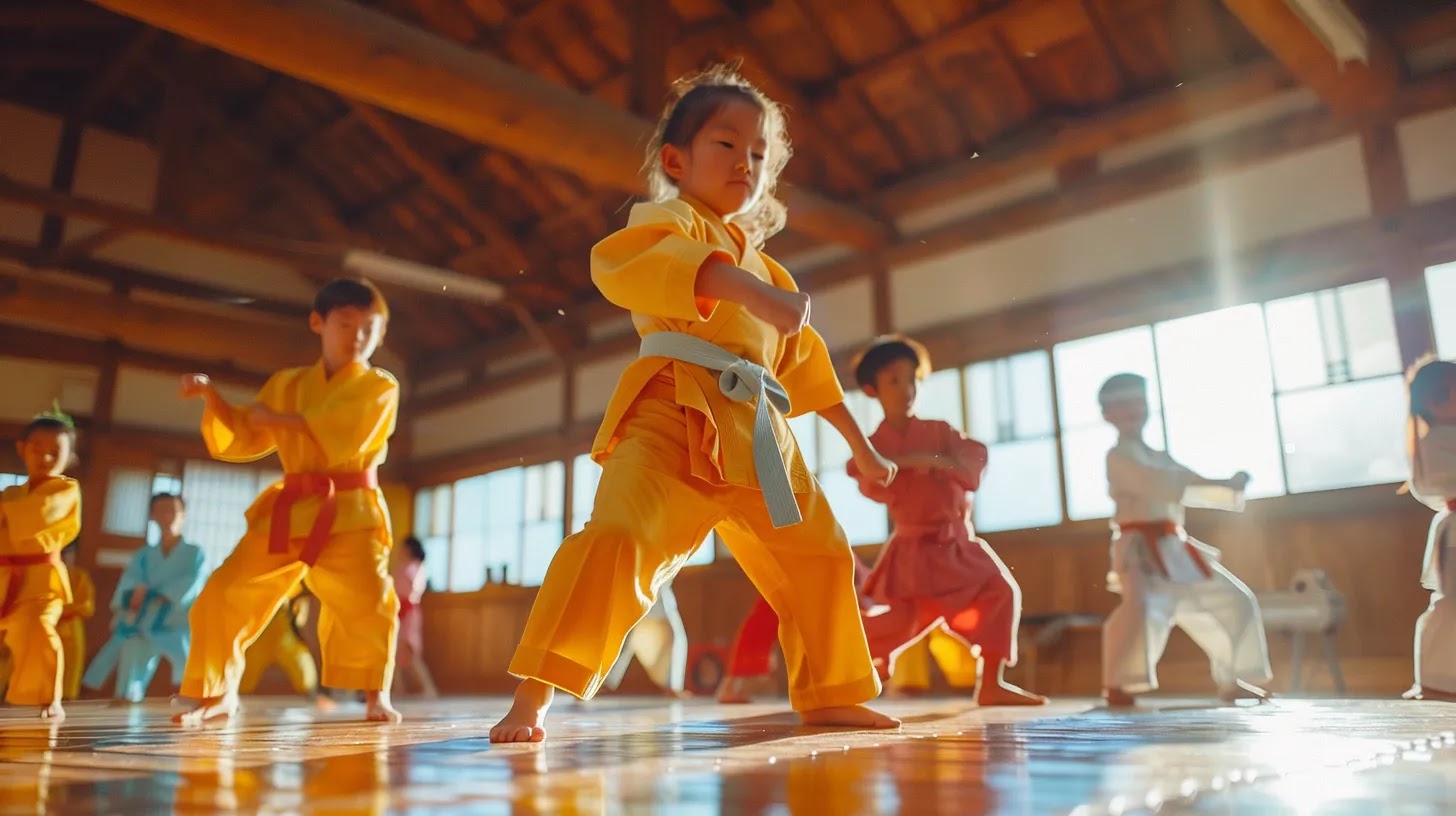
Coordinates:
432 527
217 495
1010 406
864 521
942 396
542 528
128 492
1339 393
11 479
586 474
1216 379
1441 290
1082 366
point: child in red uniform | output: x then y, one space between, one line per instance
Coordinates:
933 570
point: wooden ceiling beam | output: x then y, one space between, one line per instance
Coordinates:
362 54
1355 89
128 278
258 343
35 344
1059 143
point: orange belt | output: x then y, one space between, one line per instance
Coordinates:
1451 505
1154 530
324 485
13 575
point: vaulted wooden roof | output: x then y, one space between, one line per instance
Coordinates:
894 105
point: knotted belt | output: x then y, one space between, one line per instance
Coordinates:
1153 531
326 486
741 381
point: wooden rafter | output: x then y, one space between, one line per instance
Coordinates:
362 54
19 341
1053 145
1354 89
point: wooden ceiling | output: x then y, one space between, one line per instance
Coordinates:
888 100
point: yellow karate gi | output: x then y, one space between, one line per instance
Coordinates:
280 645
677 462
350 419
34 526
957 664
72 630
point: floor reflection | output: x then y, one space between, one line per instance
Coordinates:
630 755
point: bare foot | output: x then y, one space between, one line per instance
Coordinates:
1427 693
1117 698
1005 694
209 709
378 709
856 716
525 722
324 703
731 692
53 712
1243 691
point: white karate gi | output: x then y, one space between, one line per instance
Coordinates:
660 643
1433 482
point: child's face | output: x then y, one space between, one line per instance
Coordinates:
46 453
349 333
724 165
170 516
895 387
1444 411
1127 413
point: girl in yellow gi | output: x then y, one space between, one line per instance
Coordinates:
37 519
695 437
325 523
72 627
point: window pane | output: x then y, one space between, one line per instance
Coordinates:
128 492
505 522
437 562
1086 450
444 510
864 521
468 541
1295 342
584 475
806 432
1345 435
1218 400
1441 289
1083 365
1020 489
468 560
545 491
12 479
939 397
217 495
542 538
166 483
833 450
1031 384
704 554
1369 325
1011 398
424 512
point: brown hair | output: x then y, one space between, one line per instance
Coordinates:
1431 382
696 99
360 293
868 364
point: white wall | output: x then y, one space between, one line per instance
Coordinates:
595 384
27 388
1428 144
531 407
148 399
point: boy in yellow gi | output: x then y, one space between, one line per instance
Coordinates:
695 436
325 523
37 519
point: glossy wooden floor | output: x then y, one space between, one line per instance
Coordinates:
641 755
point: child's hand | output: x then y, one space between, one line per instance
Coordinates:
875 467
194 385
784 310
138 595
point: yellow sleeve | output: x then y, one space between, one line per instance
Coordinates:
807 373
651 265
230 435
355 419
49 514
83 594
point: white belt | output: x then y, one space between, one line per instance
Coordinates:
741 381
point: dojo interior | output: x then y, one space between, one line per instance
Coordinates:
1250 202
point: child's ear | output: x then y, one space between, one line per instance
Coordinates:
673 163
870 391
316 322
